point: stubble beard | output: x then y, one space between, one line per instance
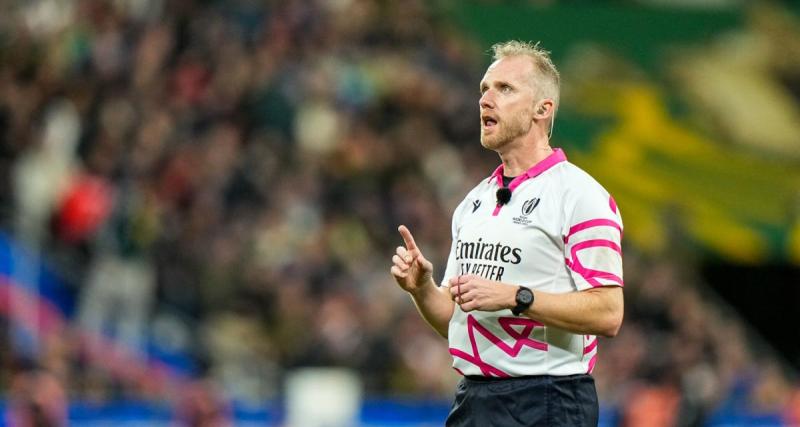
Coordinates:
519 125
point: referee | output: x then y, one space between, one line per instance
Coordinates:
535 267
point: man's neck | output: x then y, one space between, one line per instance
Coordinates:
521 157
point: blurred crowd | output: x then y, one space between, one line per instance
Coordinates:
224 180
683 359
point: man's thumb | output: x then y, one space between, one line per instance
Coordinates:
423 262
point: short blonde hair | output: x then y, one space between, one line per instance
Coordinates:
547 80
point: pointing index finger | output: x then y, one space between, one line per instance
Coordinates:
407 237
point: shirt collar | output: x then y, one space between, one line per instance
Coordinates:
556 157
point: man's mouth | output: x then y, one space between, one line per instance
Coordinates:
488 121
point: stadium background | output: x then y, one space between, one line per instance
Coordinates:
199 199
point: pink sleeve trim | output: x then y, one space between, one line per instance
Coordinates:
598 222
595 243
589 274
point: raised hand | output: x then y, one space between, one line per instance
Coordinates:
411 270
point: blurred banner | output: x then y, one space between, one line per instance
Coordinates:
690 117
322 397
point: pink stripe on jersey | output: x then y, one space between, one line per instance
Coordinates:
497 175
592 345
521 339
597 274
592 362
595 243
486 369
598 222
494 339
591 275
612 204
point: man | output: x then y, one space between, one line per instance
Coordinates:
535 267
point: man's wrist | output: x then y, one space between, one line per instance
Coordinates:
423 288
523 299
512 299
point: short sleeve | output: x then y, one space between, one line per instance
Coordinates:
592 235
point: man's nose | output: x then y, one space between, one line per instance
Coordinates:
486 100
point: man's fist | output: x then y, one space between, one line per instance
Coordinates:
473 292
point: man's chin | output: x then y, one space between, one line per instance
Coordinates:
490 142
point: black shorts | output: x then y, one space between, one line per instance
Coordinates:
526 401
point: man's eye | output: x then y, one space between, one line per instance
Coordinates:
505 88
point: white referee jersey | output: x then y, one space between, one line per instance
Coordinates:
560 232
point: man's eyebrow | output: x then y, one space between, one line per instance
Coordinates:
497 83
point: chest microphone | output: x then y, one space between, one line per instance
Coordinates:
503 196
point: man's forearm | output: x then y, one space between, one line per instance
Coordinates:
435 306
594 311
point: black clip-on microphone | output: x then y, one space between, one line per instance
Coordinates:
503 196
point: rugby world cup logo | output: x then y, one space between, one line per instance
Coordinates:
529 206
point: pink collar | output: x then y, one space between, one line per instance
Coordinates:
553 159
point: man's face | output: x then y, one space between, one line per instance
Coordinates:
507 100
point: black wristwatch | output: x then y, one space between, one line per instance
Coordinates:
524 300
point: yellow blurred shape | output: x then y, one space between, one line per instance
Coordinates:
654 165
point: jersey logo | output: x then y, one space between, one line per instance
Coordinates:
475 205
527 208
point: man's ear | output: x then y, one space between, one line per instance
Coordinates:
544 108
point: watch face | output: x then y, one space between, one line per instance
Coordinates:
524 296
